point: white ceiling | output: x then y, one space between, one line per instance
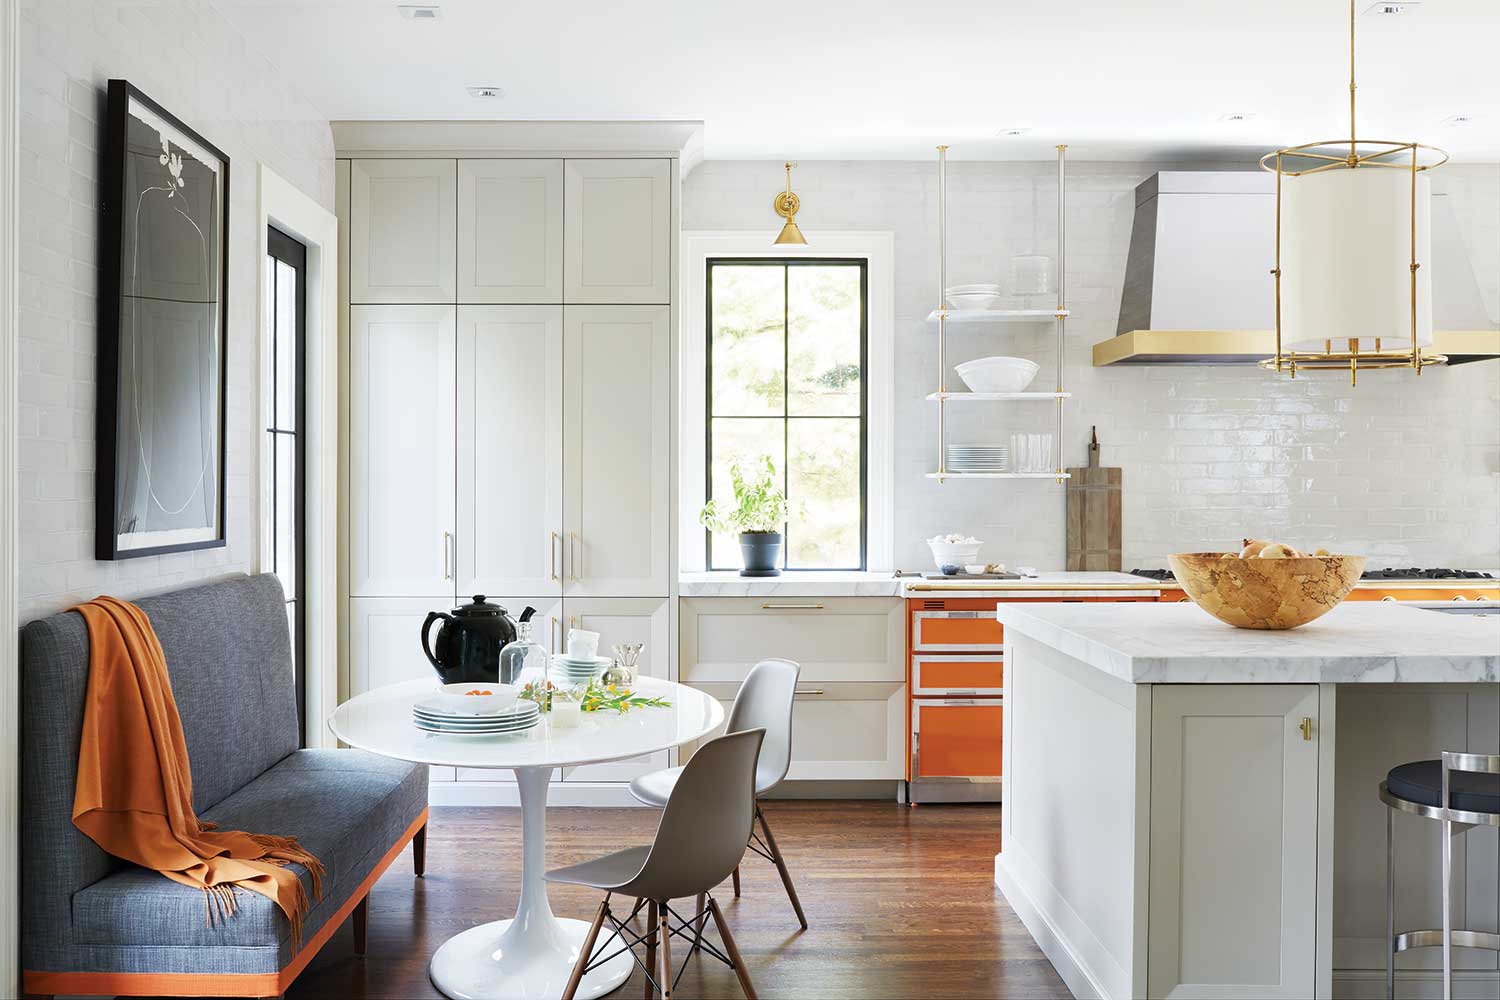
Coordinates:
888 79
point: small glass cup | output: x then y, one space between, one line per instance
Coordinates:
567 710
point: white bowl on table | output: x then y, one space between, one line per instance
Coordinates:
997 374
462 699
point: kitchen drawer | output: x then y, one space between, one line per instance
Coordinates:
840 731
939 631
954 675
956 738
839 640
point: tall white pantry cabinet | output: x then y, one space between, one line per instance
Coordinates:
508 403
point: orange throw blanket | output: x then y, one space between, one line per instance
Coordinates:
134 796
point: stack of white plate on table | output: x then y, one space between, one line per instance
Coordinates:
568 671
456 712
977 457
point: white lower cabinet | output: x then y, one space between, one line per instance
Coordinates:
623 619
1233 864
385 646
849 717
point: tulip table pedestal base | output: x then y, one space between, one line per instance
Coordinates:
530 956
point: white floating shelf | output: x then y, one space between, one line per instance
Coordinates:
980 397
998 475
996 315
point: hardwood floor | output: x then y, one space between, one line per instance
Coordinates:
900 903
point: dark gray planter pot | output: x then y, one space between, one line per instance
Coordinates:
761 551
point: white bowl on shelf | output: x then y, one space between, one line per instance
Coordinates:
974 296
997 374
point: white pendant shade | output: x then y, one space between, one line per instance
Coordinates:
1346 253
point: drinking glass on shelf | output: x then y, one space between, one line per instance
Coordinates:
1040 453
1019 453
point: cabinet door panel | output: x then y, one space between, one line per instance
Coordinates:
510 230
402 231
618 217
510 450
623 620
401 451
1250 841
385 635
617 405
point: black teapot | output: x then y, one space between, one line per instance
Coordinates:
467 650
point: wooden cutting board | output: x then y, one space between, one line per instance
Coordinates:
1094 513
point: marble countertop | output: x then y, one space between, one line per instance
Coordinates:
1357 641
844 584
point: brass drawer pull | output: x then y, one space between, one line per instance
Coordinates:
791 607
810 691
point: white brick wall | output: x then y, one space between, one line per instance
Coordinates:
1407 471
184 55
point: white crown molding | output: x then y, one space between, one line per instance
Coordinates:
682 139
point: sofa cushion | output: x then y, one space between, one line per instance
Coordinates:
346 806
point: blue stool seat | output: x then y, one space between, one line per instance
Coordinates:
1422 782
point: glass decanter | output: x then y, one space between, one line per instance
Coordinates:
523 659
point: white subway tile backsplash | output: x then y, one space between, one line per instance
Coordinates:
1404 470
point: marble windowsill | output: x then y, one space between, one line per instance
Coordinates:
1181 644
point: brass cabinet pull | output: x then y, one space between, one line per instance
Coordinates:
552 553
573 555
447 546
1306 727
791 607
556 634
810 691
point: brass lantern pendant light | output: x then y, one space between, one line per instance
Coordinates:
1352 233
786 204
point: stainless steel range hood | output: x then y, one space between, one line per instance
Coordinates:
1198 289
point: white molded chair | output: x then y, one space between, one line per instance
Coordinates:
764 701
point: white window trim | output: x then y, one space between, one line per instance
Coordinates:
878 248
288 209
10 688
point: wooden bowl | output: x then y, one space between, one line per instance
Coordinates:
1265 593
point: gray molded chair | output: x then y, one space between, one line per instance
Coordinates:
764 701
700 839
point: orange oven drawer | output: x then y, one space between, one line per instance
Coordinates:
956 738
955 675
950 630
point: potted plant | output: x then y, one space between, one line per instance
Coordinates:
759 511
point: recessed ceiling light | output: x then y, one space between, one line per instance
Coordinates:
419 11
1390 7
1237 116
1014 131
486 92
1458 120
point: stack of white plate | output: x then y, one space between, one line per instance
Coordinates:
568 671
977 457
432 716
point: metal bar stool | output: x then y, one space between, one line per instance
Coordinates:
1459 791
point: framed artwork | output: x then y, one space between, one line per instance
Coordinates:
163 316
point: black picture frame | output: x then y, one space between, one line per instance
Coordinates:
121 459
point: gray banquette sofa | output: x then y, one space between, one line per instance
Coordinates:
91 923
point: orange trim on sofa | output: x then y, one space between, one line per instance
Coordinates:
223 984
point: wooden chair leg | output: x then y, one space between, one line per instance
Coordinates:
419 851
666 952
786 876
361 924
651 928
736 881
730 947
587 952
701 920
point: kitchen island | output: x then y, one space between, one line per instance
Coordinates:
1191 810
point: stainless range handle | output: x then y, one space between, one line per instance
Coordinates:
791 607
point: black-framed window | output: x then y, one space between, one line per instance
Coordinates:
286 317
787 377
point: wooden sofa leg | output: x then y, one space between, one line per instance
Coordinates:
419 851
361 924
